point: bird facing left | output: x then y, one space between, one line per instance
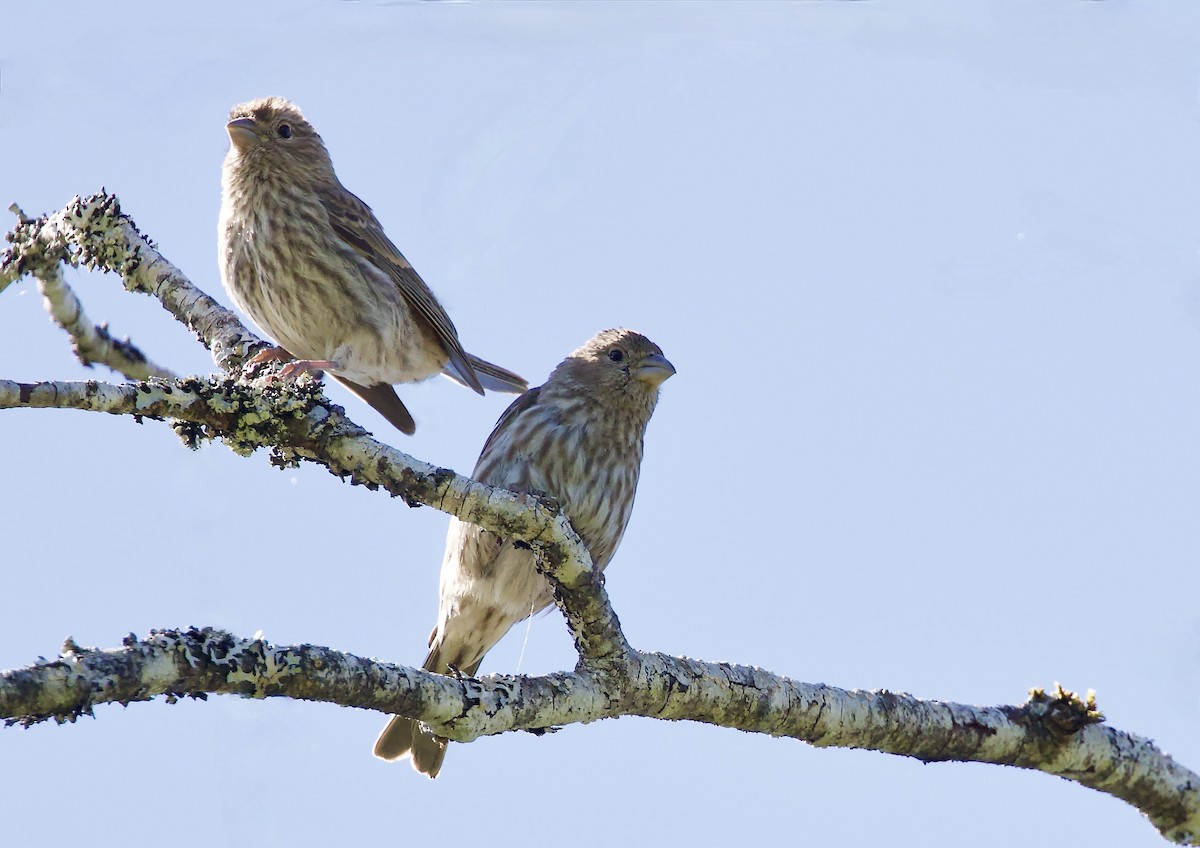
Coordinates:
311 265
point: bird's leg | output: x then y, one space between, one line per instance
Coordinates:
270 354
293 369
265 357
306 366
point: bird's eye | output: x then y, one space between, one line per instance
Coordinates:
616 355
284 131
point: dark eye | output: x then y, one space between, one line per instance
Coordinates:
616 355
284 131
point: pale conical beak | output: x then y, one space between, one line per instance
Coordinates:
241 133
654 369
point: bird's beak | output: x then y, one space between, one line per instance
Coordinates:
654 369
242 133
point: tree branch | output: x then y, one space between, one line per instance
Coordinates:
298 423
91 342
93 232
1057 733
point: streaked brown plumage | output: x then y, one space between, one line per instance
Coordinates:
310 263
577 438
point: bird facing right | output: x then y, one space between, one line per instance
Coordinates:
577 438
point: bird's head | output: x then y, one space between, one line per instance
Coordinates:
618 366
271 134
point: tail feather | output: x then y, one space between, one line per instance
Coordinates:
428 751
396 739
496 378
405 736
491 377
385 401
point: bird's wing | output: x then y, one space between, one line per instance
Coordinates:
518 406
355 223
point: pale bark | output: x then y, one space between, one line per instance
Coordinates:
1057 733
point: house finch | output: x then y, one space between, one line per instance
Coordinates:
577 438
310 263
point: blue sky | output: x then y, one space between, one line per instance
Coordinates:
929 274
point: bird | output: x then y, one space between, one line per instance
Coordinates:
310 263
577 438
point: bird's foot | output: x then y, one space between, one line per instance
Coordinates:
270 354
254 366
296 367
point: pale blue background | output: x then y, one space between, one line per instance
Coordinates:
928 271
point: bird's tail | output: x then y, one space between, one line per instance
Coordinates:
405 737
491 377
386 402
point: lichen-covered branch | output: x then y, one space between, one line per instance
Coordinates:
93 232
296 422
92 343
1057 733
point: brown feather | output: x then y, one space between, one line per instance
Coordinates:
384 400
514 410
495 378
353 220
